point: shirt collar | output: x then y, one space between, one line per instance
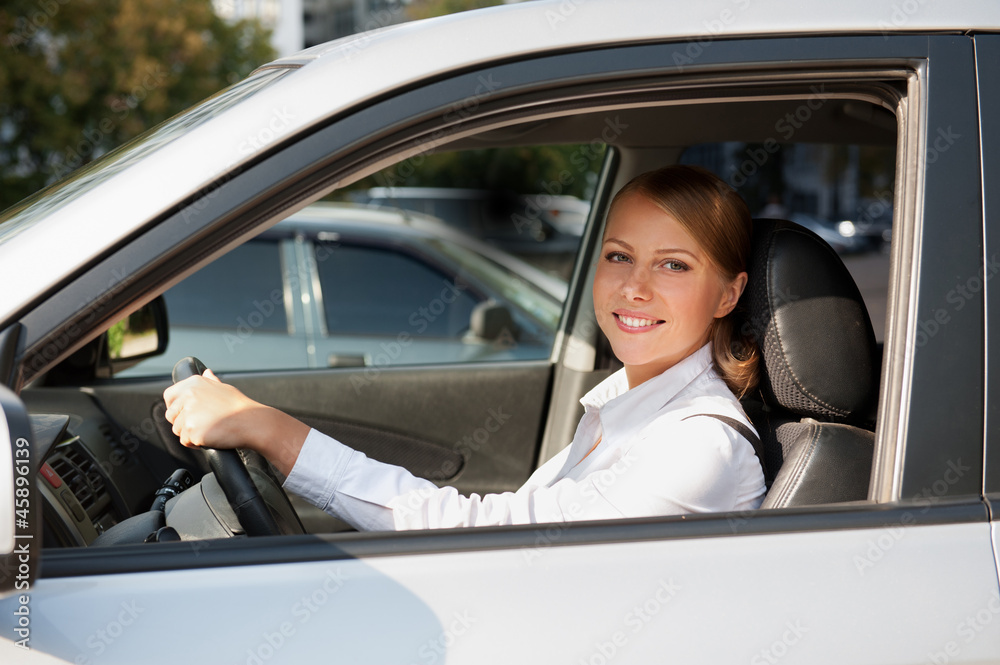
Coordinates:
621 409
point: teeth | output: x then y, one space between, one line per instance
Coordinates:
636 323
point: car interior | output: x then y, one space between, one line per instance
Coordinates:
111 455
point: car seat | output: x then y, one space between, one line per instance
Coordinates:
815 403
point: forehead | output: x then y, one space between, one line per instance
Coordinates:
636 218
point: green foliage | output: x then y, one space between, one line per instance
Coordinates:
79 77
553 169
116 339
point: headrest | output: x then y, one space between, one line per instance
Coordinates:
801 304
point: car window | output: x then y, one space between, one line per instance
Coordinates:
370 290
841 192
421 251
233 289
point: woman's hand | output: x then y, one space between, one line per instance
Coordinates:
207 413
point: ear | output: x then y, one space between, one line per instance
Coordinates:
731 295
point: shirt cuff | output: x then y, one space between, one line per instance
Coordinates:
318 469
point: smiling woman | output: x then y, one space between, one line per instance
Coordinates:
676 245
661 293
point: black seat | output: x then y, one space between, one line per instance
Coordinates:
815 405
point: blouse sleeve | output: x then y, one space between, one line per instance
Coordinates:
651 478
371 495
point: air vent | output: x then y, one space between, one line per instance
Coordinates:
84 478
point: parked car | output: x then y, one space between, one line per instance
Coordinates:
300 296
567 214
877 541
514 223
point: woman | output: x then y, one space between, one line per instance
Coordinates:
654 439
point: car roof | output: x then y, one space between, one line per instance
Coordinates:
300 92
542 25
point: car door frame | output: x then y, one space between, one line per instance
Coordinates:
988 81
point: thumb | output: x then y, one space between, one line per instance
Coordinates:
209 374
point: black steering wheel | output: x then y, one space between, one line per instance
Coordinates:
232 469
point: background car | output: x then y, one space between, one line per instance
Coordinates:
897 565
338 285
514 223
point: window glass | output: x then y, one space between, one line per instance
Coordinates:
244 284
381 291
37 206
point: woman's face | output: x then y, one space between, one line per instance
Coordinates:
656 292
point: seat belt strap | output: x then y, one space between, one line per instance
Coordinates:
744 431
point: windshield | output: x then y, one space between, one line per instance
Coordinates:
37 206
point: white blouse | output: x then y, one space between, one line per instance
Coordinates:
653 459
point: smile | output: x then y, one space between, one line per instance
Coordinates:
635 323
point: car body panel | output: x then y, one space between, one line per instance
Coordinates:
872 584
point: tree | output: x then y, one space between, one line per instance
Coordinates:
79 77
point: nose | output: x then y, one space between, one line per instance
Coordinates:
636 286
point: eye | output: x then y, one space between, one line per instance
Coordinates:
674 265
617 257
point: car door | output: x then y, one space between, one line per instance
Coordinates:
894 579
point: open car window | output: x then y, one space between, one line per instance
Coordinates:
459 237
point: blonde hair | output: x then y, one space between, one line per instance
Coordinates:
718 218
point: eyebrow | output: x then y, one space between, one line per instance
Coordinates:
668 250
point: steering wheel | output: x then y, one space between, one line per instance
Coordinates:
232 470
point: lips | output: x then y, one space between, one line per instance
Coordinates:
634 322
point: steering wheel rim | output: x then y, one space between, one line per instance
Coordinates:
230 469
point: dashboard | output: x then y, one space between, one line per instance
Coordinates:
92 475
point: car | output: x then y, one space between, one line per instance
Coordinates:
292 298
515 223
877 539
567 213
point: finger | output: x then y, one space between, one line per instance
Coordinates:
178 429
173 392
176 405
170 394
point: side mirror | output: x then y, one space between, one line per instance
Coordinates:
20 512
142 334
492 321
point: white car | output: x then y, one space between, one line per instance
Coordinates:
877 542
